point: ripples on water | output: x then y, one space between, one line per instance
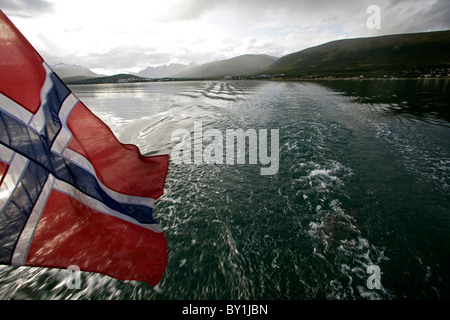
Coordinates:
363 180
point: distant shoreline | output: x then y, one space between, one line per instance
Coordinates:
93 81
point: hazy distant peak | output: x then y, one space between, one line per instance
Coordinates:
165 70
65 71
243 65
66 65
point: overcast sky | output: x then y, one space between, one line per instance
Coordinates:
110 36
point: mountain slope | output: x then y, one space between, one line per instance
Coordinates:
165 71
238 66
73 72
375 56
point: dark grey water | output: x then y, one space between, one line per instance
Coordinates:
363 180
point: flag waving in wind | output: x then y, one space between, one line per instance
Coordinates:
70 192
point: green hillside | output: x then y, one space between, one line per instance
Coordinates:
396 55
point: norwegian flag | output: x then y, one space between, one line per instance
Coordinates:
70 192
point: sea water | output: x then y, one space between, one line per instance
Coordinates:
359 207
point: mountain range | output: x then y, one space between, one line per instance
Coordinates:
243 65
166 71
400 55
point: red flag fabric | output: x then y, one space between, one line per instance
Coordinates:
70 192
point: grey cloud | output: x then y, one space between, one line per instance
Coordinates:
191 10
439 15
434 16
26 8
403 16
245 9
